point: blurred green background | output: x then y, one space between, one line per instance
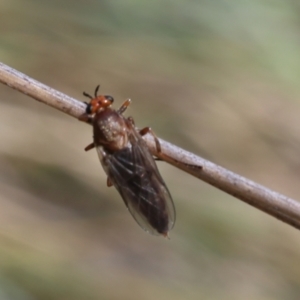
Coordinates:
219 78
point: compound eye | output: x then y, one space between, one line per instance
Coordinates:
109 98
88 109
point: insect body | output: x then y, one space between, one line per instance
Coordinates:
129 165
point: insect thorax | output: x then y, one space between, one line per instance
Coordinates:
110 130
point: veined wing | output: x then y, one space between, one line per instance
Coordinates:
134 173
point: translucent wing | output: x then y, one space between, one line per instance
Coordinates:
134 173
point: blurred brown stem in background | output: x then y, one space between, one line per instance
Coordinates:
275 204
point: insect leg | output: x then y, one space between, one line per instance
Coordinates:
130 119
146 130
124 106
109 183
85 118
89 147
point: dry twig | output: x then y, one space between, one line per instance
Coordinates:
275 204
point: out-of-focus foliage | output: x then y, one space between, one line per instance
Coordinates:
219 78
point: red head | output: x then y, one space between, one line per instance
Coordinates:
98 102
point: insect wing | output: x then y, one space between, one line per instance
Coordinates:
134 173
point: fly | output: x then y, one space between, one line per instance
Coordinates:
129 165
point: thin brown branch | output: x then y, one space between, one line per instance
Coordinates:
275 204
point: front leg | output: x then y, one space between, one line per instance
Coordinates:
124 106
86 118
